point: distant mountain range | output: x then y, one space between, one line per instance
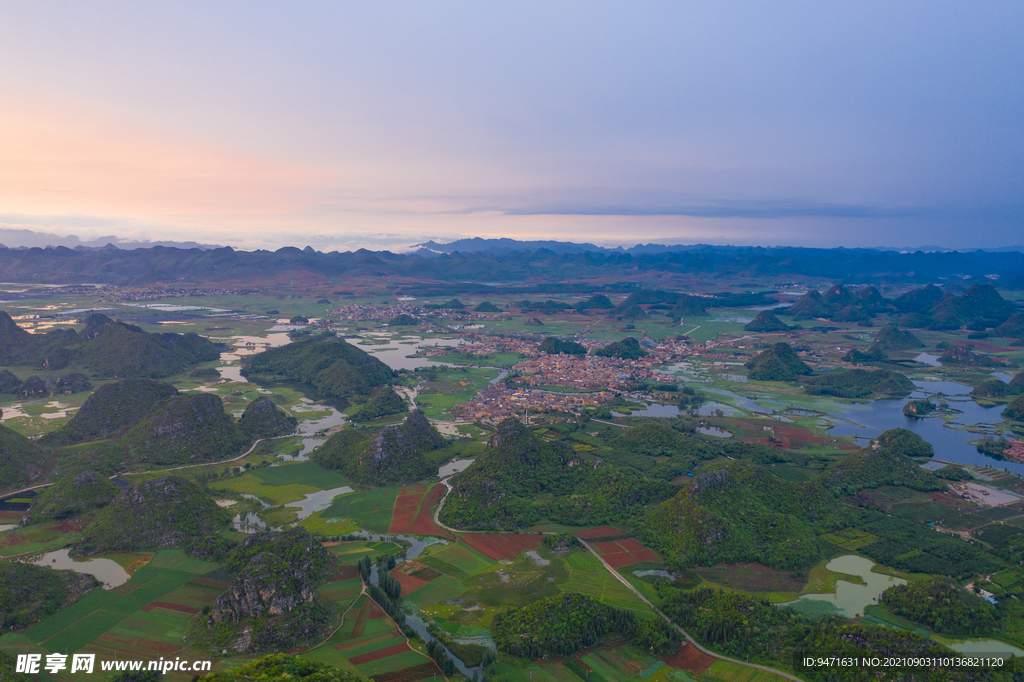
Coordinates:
512 262
13 238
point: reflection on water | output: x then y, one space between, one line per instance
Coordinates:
7 526
654 571
928 359
108 572
393 353
714 431
950 444
850 599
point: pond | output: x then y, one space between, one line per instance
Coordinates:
107 571
928 359
849 600
454 467
654 571
318 501
980 647
714 431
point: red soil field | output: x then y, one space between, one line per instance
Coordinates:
498 547
424 522
409 583
376 611
181 608
687 657
392 650
601 532
619 553
416 672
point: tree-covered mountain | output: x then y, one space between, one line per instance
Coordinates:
553 345
888 461
331 365
838 303
391 455
73 495
498 490
766 321
112 408
891 337
607 495
186 429
263 419
942 606
778 363
627 349
21 460
30 593
106 348
383 402
164 513
738 512
280 667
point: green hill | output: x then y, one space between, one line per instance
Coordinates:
766 321
9 383
607 496
21 460
887 462
891 337
329 364
597 301
272 603
553 345
71 496
29 593
963 355
861 383
1017 383
106 347
382 403
162 513
737 512
391 455
627 349
991 388
1015 410
187 429
559 625
488 307
263 419
980 305
872 354
110 409
498 490
403 320
1013 327
778 363
657 440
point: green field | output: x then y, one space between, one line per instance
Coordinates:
371 509
457 560
300 473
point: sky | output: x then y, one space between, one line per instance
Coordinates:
345 125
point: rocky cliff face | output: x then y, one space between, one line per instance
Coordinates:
272 604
